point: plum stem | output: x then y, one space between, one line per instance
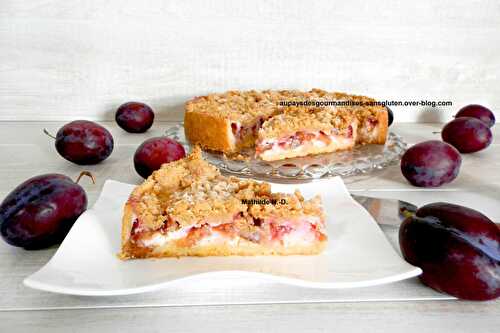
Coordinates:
85 173
436 132
48 134
406 213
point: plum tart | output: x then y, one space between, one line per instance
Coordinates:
187 208
235 120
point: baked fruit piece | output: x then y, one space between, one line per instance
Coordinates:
230 122
300 131
187 208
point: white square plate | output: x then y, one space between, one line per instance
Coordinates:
358 253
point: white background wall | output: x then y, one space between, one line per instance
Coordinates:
68 59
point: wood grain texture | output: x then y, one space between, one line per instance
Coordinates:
212 305
81 59
18 263
408 317
26 151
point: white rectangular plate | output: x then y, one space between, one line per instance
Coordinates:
358 253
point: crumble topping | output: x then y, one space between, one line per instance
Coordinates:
245 106
242 107
300 119
191 192
149 199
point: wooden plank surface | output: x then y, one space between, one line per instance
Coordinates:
17 264
477 180
397 317
26 152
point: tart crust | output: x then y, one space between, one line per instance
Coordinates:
241 248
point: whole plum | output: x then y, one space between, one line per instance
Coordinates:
479 112
154 152
430 164
39 212
390 116
134 117
84 142
457 248
467 134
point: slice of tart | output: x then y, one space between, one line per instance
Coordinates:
187 208
302 131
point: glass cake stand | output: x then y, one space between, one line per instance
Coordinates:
361 160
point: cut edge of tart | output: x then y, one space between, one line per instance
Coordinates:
300 132
187 208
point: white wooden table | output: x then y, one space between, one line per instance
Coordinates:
227 305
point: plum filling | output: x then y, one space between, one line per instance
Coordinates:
235 128
371 123
278 231
269 231
242 133
135 226
136 229
304 139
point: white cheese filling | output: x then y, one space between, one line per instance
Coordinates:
159 239
300 235
216 238
337 141
366 134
